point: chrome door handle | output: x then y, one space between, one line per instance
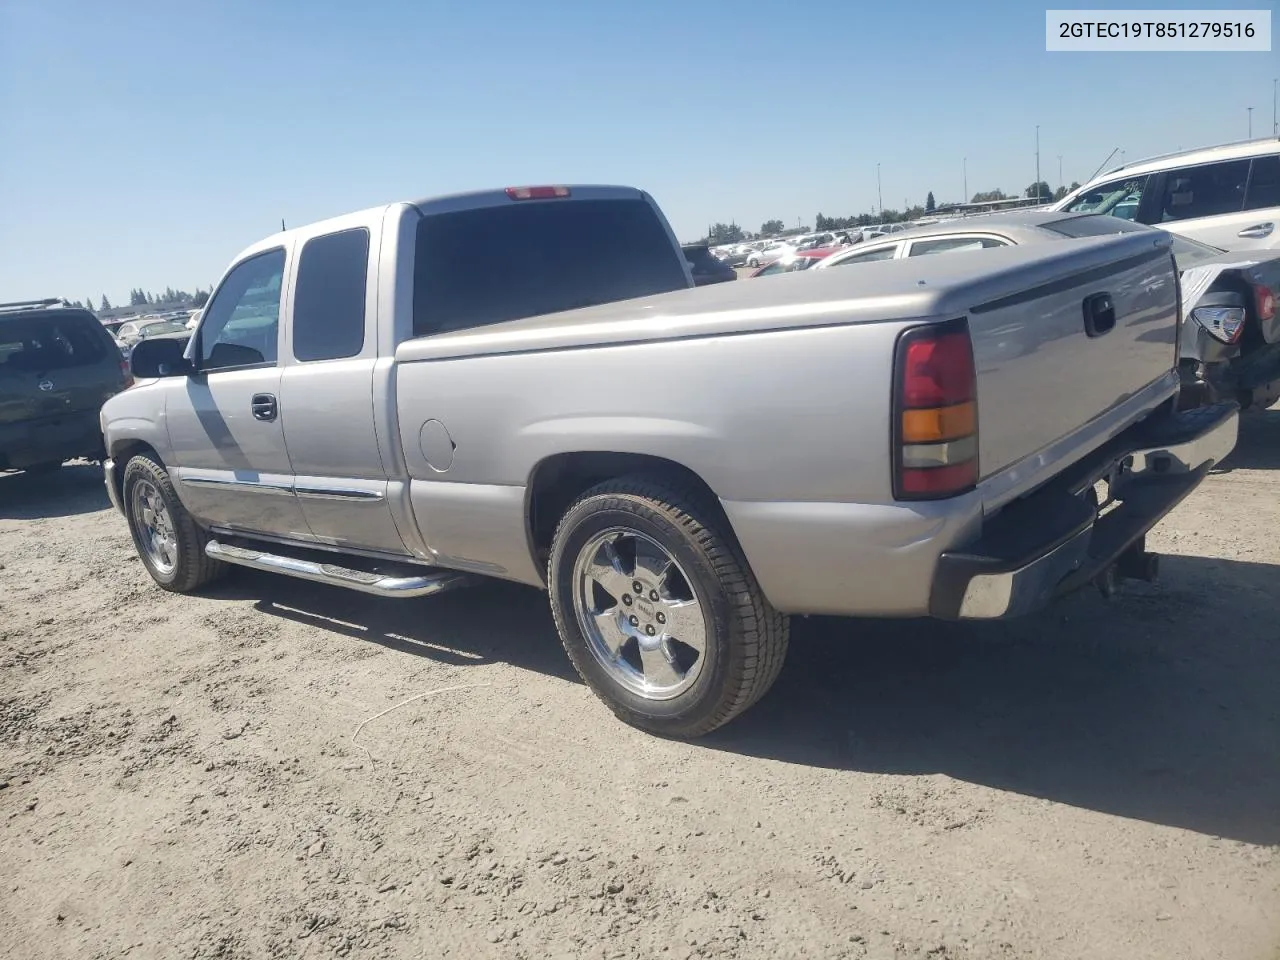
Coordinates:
1257 231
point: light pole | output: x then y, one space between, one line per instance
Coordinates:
879 193
1037 163
1250 109
1060 170
965 198
1275 127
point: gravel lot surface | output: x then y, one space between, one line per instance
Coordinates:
179 776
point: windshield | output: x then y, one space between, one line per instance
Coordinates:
524 259
1120 198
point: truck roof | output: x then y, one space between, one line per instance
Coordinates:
470 200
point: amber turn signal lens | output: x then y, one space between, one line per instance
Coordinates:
938 423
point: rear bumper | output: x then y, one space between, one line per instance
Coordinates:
1054 541
50 438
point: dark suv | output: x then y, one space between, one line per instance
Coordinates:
58 364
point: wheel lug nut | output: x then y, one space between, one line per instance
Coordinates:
626 600
638 587
653 595
662 618
633 620
648 628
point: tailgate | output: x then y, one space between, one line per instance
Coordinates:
1093 329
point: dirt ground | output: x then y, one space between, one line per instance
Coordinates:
180 776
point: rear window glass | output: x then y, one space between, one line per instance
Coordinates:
1186 253
531 257
1095 226
37 344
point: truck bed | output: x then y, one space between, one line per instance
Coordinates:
1042 382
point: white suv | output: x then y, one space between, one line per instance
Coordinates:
1226 196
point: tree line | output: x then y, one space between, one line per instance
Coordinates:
721 233
170 299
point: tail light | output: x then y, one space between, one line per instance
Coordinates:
536 193
127 372
1265 300
1222 314
936 413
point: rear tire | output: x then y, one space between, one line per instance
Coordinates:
698 643
168 540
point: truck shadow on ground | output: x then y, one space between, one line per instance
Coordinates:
1159 704
491 622
1258 444
74 490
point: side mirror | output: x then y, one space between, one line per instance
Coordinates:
159 358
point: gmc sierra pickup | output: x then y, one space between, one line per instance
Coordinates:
368 404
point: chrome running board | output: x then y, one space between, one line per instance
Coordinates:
431 581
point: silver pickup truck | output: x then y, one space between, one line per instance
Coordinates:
524 384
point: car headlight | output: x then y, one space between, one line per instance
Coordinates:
1222 323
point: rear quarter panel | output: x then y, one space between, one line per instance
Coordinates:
797 414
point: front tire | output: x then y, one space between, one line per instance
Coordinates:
167 538
659 611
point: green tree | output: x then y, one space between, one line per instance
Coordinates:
106 304
771 228
724 233
930 204
1040 191
989 195
88 303
200 298
1059 193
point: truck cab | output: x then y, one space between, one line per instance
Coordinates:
274 434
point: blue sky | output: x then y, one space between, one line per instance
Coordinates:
144 143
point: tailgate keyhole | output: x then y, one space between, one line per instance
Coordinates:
1099 314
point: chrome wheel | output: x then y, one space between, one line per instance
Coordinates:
639 614
156 534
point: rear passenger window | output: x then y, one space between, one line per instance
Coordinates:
1264 183
328 310
923 248
1204 191
883 253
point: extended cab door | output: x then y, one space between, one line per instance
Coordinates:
224 419
327 390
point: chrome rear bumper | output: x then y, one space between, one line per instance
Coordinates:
1054 540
